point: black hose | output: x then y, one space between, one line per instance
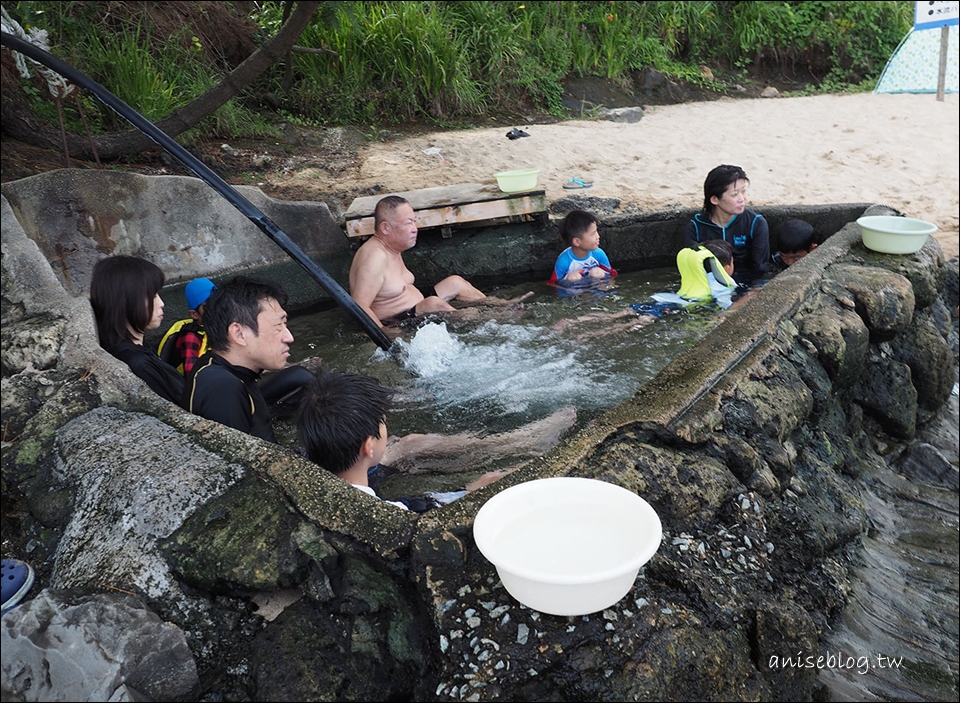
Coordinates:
202 171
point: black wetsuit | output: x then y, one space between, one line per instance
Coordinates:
156 373
228 394
750 237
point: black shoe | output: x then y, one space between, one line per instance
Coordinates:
516 133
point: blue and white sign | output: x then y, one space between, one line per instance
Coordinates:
936 14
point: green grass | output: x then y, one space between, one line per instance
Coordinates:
456 61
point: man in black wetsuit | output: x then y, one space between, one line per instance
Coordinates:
247 334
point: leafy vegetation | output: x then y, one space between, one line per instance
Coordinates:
385 62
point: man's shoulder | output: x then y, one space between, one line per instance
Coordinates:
211 368
372 248
370 255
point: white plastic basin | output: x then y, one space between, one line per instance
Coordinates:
517 181
889 234
567 546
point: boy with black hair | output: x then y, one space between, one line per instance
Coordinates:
794 241
342 427
583 258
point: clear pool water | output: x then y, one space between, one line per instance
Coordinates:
511 365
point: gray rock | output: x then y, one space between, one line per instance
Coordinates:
924 350
627 115
770 92
924 462
884 300
764 482
32 344
579 201
924 269
841 340
123 463
61 646
174 221
781 631
887 392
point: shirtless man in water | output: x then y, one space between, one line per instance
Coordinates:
382 285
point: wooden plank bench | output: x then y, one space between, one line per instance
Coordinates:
449 206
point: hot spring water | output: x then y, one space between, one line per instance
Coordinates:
513 365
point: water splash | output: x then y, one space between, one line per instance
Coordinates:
500 369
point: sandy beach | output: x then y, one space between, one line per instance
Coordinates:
896 150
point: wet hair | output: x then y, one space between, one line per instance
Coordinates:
337 412
384 207
794 236
575 224
721 249
122 289
717 182
238 300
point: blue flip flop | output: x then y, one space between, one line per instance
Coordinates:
577 184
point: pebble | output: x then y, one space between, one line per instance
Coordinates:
497 612
523 632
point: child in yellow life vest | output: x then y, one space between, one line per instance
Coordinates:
706 274
185 341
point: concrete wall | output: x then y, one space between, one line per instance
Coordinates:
181 224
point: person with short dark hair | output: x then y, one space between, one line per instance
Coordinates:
383 286
342 427
247 334
725 216
794 241
583 259
125 297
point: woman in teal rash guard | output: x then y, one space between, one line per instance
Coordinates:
125 296
725 216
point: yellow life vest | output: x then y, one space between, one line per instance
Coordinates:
168 352
694 284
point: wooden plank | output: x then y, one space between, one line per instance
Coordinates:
450 205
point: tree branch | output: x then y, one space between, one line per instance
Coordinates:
29 129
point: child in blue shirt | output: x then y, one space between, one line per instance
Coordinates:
583 260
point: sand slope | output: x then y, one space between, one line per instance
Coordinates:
897 150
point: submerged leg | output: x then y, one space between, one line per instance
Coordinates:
459 453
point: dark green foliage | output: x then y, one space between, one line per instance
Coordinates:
386 62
